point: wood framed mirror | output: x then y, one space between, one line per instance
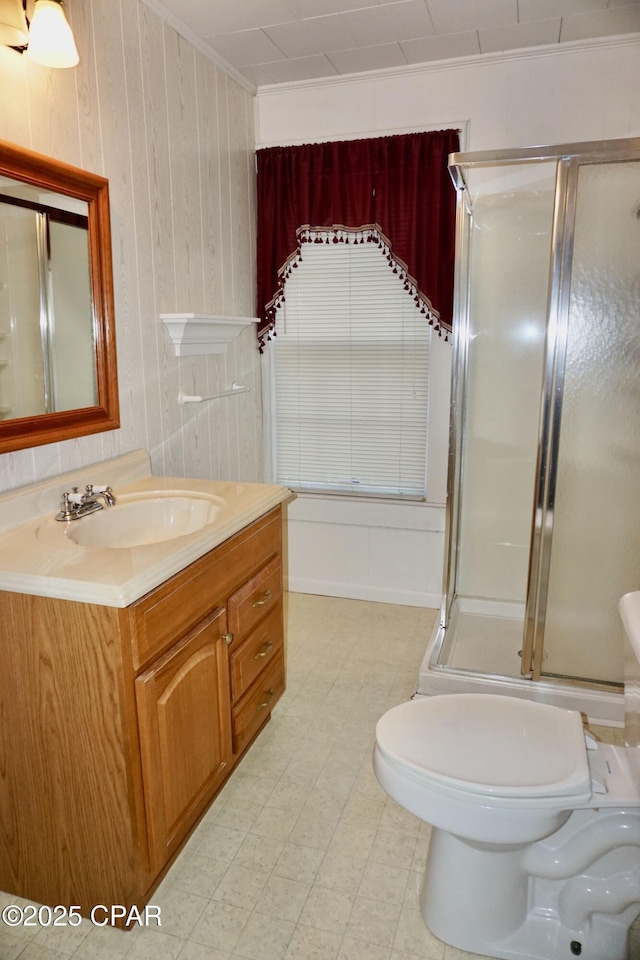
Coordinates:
58 368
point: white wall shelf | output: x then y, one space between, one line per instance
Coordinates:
197 334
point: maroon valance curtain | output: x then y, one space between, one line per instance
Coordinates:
396 188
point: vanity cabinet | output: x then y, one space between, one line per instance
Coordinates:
120 725
186 636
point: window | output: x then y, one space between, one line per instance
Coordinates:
351 368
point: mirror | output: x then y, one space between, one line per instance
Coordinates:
58 375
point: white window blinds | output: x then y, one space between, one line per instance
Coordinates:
351 361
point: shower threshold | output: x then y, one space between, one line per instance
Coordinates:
478 653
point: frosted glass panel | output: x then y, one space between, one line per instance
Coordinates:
595 554
509 272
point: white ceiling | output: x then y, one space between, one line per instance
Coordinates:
277 41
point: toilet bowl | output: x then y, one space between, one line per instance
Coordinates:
535 843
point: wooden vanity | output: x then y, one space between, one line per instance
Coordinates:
118 726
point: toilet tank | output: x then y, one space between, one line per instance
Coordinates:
630 613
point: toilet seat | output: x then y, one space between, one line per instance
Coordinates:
489 749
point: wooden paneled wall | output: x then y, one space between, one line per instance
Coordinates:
175 136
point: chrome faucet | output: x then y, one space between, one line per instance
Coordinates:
75 505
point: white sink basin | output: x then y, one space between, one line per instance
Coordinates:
139 519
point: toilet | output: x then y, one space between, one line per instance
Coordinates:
535 842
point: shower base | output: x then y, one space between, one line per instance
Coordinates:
478 653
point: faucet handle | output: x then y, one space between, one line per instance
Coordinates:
69 505
96 489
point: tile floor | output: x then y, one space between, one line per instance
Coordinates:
302 856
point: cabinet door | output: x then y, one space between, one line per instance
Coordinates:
185 738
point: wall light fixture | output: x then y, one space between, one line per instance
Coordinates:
40 29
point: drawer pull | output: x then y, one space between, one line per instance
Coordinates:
265 703
228 638
263 653
261 603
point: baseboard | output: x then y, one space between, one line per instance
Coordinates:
357 591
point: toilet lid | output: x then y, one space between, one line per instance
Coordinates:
489 745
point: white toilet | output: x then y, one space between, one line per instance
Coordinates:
535 847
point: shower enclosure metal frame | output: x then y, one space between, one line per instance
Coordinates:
568 158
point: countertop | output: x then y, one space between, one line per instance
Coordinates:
37 555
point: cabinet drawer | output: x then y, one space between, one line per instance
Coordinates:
256 598
256 653
169 612
252 711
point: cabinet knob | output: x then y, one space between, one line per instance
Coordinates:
228 638
261 603
265 703
263 653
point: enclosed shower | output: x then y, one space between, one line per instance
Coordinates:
543 513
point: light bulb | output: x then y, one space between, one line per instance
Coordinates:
51 41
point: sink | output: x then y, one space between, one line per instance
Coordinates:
139 519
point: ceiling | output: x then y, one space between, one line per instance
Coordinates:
279 41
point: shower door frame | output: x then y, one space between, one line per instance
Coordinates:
568 158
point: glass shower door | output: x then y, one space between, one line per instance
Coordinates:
595 547
509 244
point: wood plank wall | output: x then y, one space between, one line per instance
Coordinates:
175 136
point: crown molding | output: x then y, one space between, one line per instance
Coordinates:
454 63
